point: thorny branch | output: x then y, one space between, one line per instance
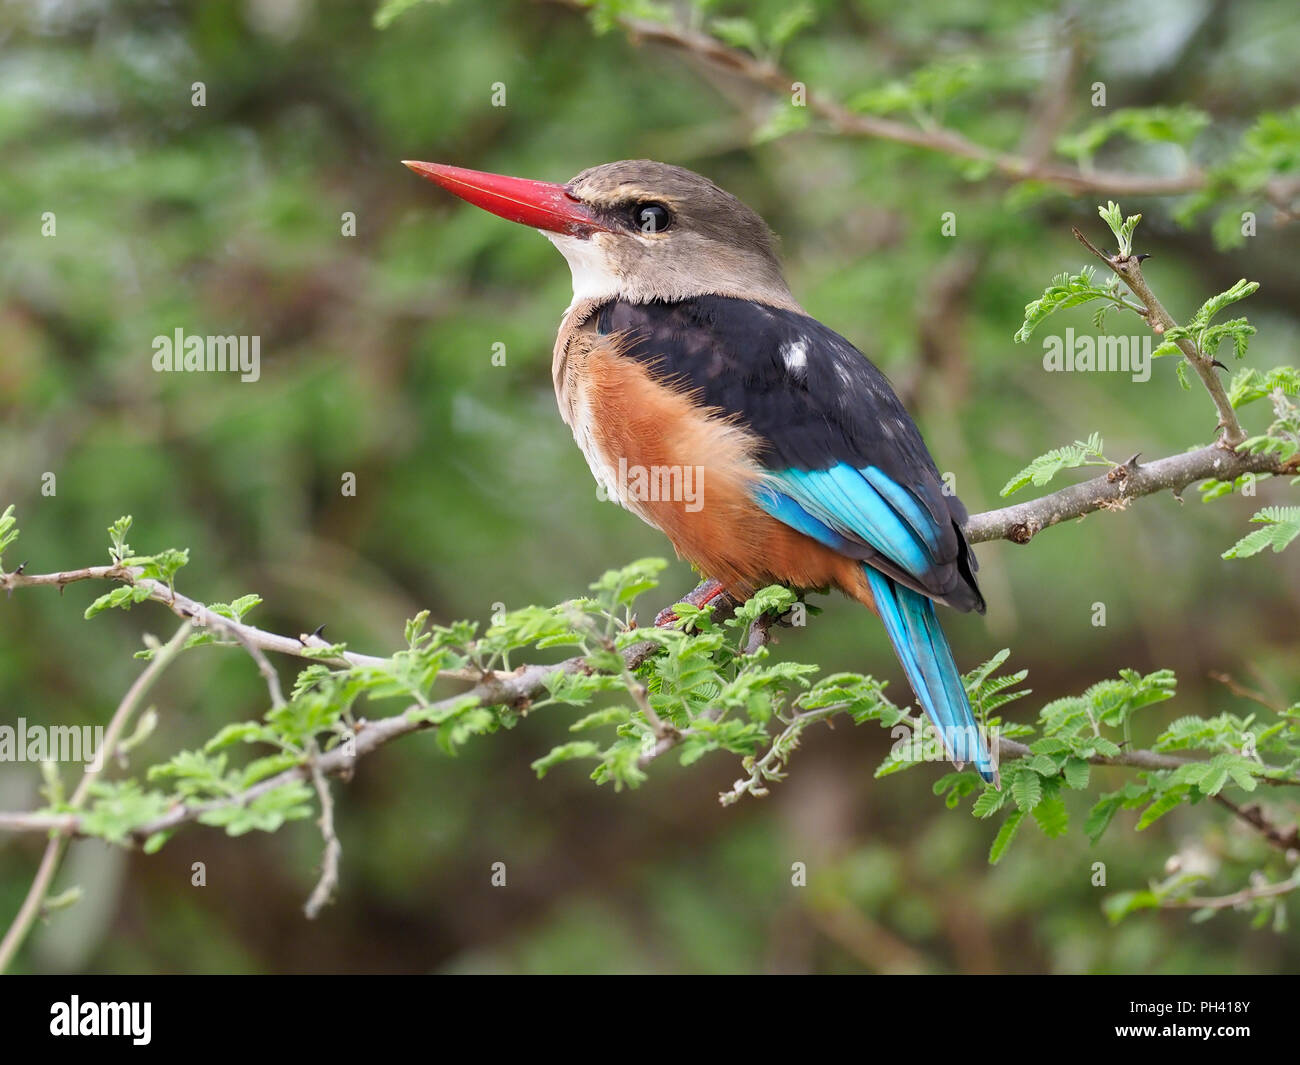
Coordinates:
58 843
1114 489
769 76
1128 268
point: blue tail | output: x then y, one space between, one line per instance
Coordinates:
923 649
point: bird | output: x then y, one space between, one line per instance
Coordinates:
764 445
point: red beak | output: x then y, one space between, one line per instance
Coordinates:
538 204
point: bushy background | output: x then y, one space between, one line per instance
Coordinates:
377 360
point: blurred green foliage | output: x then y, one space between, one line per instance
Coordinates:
377 361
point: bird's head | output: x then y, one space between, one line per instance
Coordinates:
636 230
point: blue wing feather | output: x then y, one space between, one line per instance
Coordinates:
845 501
786 510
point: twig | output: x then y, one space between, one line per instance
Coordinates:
58 843
1022 521
1287 842
248 636
1238 898
516 690
1276 705
1128 268
768 767
329 874
716 55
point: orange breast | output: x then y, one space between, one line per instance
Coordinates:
690 472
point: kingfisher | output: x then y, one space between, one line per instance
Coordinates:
684 351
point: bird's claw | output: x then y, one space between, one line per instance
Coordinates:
701 596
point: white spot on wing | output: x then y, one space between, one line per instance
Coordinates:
796 357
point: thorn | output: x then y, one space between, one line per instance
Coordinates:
1216 362
317 634
21 566
1143 255
1132 461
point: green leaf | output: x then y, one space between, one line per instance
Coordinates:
1101 815
1119 906
266 813
613 715
782 120
1077 772
738 32
123 597
118 808
118 547
1215 304
1052 817
1119 225
160 567
243 732
1249 385
237 609
565 752
789 23
989 801
621 586
1005 835
1168 801
1065 291
1282 525
1027 789
1212 782
1173 125
8 531
1045 467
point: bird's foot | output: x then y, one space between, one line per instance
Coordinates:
706 592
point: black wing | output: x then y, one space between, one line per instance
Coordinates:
813 400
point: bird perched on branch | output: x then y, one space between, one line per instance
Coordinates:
763 444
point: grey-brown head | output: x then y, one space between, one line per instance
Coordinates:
636 230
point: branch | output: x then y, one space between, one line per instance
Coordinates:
1238 898
768 75
1113 491
58 843
516 690
1288 842
1128 268
329 877
251 638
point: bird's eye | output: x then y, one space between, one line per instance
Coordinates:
651 217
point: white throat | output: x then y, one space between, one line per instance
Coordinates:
592 279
